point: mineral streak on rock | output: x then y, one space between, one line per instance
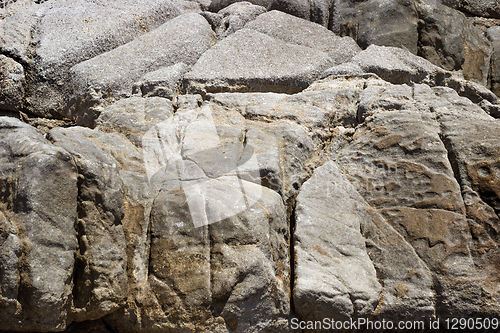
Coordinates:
239 166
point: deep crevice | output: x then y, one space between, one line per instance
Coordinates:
452 158
291 205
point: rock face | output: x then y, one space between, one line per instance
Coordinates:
227 166
251 61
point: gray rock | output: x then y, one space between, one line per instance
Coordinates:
404 182
164 82
11 84
251 61
16 26
282 147
380 22
407 281
217 5
334 278
491 109
398 66
493 35
484 8
134 116
188 36
53 36
101 280
235 16
297 31
449 40
345 69
382 98
317 11
472 90
37 218
471 139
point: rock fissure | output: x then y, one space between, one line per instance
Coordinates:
312 179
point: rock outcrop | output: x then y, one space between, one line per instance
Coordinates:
228 166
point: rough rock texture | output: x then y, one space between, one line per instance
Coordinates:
493 35
164 82
50 37
228 166
11 84
37 219
234 17
381 22
317 11
251 61
293 30
335 278
449 40
484 8
183 40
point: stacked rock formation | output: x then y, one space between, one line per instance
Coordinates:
227 166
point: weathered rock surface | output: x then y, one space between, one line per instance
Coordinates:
37 219
51 37
334 275
234 17
493 35
296 31
134 116
245 167
11 84
449 40
484 8
184 39
317 11
380 22
251 61
164 82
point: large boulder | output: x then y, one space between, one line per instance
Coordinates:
251 61
297 31
100 283
449 40
493 35
334 276
38 186
381 22
183 40
317 11
484 8
234 17
48 38
12 82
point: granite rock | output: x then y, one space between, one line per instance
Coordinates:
251 61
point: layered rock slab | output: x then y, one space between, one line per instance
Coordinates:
251 61
298 31
183 40
218 238
328 209
100 283
50 37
